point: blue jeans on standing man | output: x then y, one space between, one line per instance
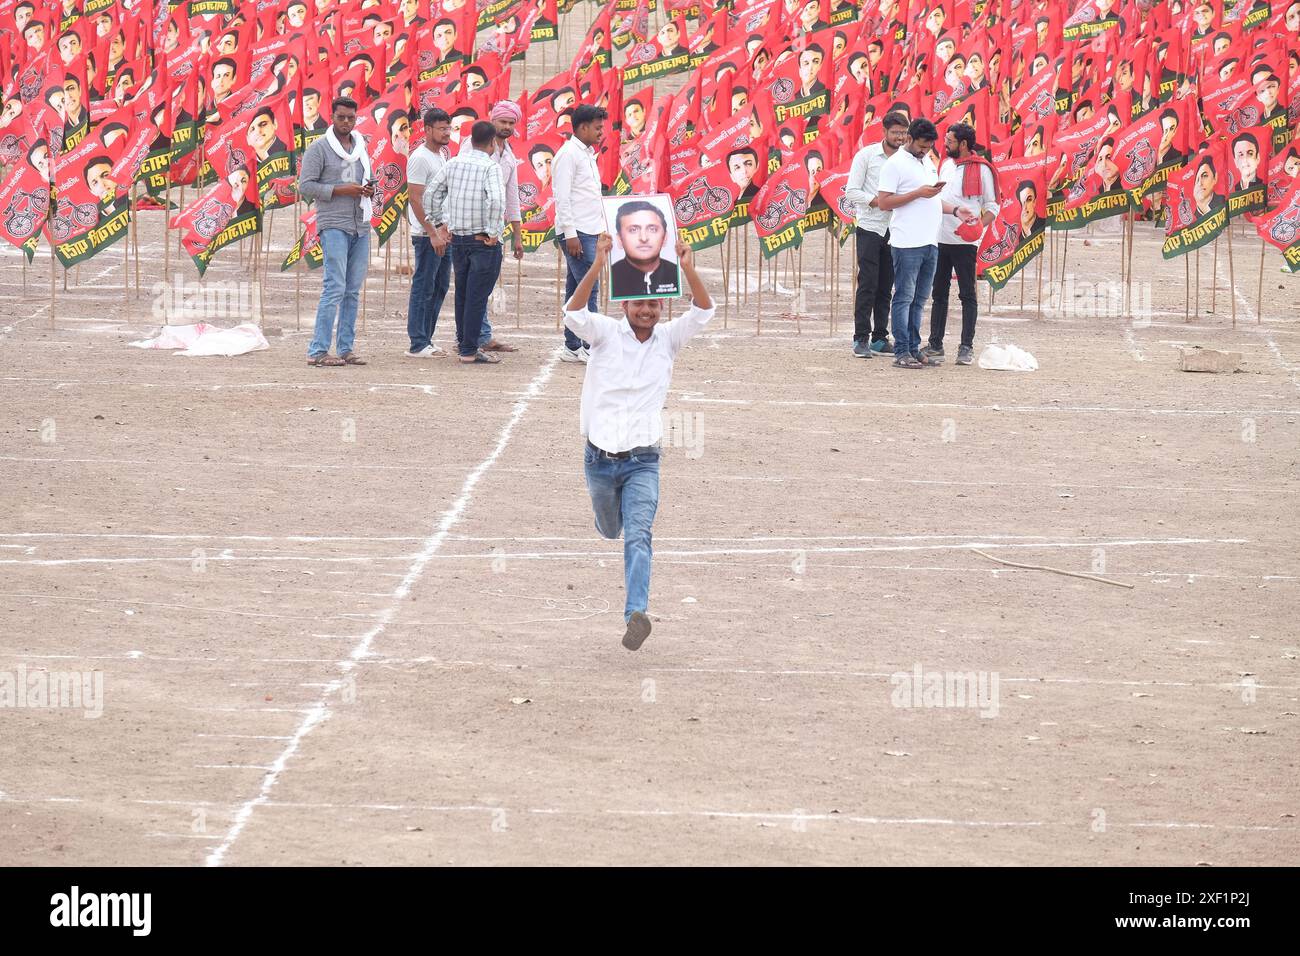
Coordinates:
477 266
625 497
578 266
347 257
913 281
429 284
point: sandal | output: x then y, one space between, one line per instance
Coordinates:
495 346
325 360
907 361
352 358
480 358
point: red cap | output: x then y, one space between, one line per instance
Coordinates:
970 231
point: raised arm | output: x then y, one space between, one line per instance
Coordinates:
587 325
692 321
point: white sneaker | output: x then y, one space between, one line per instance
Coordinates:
586 354
426 352
573 355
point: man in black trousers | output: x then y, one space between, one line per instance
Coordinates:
875 262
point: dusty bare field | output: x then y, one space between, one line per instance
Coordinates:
310 646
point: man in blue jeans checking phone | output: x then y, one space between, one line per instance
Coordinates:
629 368
909 189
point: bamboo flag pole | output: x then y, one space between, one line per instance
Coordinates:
1214 279
519 290
52 283
1187 289
135 239
1197 301
744 261
758 326
1039 295
1259 313
1232 278
167 246
388 261
126 278
723 256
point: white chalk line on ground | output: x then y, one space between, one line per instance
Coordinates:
688 474
762 815
610 554
439 663
320 712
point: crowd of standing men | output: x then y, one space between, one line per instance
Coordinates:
916 225
459 209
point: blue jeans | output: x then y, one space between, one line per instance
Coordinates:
913 281
429 284
625 497
477 266
346 259
578 266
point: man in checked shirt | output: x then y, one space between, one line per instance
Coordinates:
628 372
504 116
467 196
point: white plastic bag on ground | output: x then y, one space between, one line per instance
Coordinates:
203 339
1007 358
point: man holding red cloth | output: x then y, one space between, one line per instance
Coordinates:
971 188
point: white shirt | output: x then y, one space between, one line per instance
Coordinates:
917 223
627 380
420 167
575 182
986 201
863 185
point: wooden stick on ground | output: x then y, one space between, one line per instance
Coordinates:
1043 567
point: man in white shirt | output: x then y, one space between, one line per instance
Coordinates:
910 188
579 213
971 182
432 275
875 265
628 373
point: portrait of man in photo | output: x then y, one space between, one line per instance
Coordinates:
645 233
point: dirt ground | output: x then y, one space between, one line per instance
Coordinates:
362 615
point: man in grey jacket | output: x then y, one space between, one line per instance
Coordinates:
336 175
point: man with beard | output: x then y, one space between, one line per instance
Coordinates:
971 193
871 239
642 231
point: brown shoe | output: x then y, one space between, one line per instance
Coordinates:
638 629
352 358
325 360
495 346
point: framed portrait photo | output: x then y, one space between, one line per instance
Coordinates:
643 263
